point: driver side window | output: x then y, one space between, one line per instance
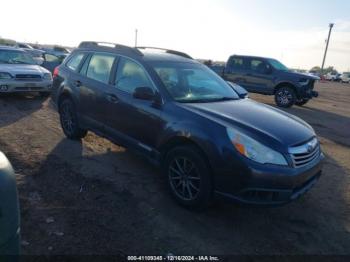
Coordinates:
131 75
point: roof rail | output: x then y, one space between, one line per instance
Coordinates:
93 44
167 51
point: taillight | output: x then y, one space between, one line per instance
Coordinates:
55 72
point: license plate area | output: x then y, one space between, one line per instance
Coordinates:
30 85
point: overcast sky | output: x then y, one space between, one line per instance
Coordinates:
293 31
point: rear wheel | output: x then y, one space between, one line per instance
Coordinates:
301 102
69 120
285 96
189 178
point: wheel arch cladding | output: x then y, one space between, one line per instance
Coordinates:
178 141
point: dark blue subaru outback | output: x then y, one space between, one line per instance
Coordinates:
207 136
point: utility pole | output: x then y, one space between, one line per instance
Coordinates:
325 52
135 37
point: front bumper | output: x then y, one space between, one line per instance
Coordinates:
306 91
274 185
12 86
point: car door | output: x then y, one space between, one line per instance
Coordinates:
236 71
93 86
259 77
133 121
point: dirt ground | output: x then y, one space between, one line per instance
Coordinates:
93 197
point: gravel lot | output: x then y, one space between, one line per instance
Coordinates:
93 197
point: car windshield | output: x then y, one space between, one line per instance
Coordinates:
193 83
278 65
15 57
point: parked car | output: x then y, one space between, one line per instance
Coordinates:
36 53
57 50
9 210
51 61
219 69
23 45
270 77
209 139
333 76
345 77
20 73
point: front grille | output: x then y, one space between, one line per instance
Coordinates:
28 77
306 153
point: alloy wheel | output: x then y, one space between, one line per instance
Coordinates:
67 118
284 97
184 178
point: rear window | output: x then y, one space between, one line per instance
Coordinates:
74 62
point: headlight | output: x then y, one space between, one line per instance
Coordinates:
4 75
303 81
254 150
47 76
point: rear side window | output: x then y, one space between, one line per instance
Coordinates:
100 67
236 63
131 75
74 61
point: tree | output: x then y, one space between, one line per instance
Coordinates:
208 62
327 70
4 41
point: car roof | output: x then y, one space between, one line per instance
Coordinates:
142 54
249 56
160 56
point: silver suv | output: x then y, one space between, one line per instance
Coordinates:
20 73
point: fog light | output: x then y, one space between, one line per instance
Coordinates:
3 88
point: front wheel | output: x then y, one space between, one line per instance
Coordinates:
285 97
301 102
189 178
69 120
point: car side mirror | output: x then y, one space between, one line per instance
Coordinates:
144 93
242 92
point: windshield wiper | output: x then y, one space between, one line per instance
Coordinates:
226 98
4 61
206 100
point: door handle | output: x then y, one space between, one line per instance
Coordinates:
112 98
77 83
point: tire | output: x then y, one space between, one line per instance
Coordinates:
188 177
285 97
69 120
301 102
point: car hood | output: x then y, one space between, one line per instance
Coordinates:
300 75
14 69
263 122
